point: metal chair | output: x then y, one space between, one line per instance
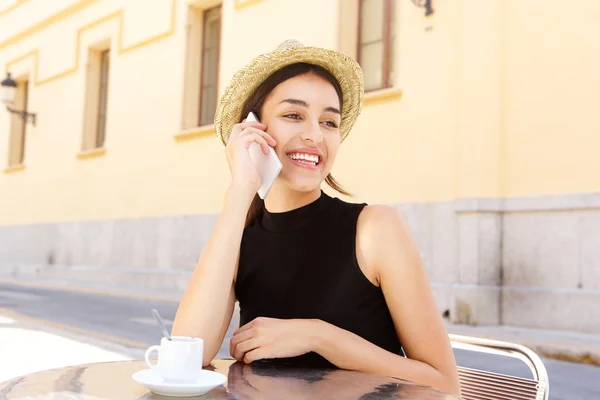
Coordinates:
483 385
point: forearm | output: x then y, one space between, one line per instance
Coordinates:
349 351
204 305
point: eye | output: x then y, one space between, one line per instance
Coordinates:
331 124
292 116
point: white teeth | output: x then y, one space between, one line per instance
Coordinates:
312 158
307 162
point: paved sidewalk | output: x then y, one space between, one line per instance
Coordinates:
558 345
26 348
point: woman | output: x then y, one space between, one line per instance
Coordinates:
319 281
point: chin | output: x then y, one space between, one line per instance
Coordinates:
304 185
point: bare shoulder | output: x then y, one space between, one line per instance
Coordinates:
381 230
379 221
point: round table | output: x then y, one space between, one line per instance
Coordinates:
112 380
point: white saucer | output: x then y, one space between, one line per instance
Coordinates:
207 381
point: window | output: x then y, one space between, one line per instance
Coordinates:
103 96
95 116
203 43
210 65
376 41
18 127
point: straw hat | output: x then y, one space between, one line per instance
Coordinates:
243 84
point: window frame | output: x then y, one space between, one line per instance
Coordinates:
91 138
18 126
205 14
103 84
386 39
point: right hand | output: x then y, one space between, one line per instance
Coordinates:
243 170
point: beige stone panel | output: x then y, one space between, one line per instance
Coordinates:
445 243
572 310
541 249
589 241
468 247
469 304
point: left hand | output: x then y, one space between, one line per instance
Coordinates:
272 338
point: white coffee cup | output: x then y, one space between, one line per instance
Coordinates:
179 359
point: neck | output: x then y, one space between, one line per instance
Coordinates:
282 199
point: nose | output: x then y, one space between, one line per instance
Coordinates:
312 133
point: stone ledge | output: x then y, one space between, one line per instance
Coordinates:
195 133
382 96
548 203
14 168
91 153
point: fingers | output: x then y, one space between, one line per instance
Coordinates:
256 354
244 122
238 338
244 129
259 322
235 339
247 338
249 130
256 138
238 128
243 125
242 348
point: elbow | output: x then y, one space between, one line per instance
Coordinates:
449 386
208 356
206 360
447 381
455 390
452 384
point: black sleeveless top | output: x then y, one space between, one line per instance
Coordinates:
302 264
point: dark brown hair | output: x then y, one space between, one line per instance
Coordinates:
256 102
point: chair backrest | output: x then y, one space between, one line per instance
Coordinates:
477 384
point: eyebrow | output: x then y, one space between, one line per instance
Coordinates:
302 103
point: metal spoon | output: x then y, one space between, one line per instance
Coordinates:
161 323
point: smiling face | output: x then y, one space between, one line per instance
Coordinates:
303 116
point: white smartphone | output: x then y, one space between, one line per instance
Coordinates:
268 166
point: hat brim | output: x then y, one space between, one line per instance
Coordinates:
245 82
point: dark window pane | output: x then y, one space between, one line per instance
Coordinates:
104 67
209 105
372 65
25 89
210 65
211 28
372 21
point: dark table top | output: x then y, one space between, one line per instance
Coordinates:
112 380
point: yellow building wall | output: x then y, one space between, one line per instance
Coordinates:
482 106
552 83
